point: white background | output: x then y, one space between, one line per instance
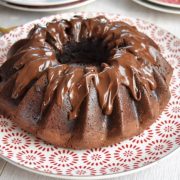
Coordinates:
167 169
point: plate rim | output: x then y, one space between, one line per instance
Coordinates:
77 4
156 8
40 4
120 174
165 3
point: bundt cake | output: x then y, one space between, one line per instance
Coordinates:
84 82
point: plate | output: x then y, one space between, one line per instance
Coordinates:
157 7
39 2
50 8
161 139
170 3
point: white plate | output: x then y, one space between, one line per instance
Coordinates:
164 3
160 140
157 7
71 5
39 2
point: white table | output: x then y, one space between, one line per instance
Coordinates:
167 169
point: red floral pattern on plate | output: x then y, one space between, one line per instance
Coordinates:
128 153
178 140
176 91
20 30
6 125
168 128
158 34
145 161
143 25
5 44
172 110
63 158
49 169
162 48
143 137
17 140
159 147
158 141
114 168
178 74
30 157
81 171
174 81
43 146
4 151
96 157
173 44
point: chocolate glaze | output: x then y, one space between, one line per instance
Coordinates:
131 58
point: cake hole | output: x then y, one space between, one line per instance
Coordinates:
87 52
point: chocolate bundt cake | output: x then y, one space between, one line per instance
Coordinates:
84 83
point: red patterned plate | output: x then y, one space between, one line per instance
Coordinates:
161 139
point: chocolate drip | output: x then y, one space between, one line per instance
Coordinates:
132 57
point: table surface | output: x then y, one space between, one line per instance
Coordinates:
167 169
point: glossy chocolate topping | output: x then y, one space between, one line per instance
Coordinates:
78 53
